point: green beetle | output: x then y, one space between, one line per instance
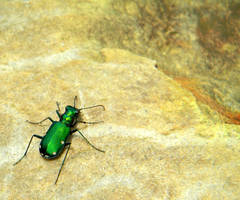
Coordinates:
57 136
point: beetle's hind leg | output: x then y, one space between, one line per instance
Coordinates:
37 136
67 144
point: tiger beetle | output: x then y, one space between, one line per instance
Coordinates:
58 134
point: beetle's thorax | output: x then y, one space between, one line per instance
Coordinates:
70 115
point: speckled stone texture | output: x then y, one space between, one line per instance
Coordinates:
163 138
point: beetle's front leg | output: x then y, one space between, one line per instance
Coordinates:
48 118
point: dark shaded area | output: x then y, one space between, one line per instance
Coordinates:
218 34
146 32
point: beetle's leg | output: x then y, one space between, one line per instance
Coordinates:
84 122
37 136
49 118
58 110
87 140
66 144
89 122
80 121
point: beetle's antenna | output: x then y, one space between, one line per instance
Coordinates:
74 103
92 107
58 106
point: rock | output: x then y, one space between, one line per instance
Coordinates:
161 142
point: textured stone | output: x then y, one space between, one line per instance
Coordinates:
161 142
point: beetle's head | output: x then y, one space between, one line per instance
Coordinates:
70 115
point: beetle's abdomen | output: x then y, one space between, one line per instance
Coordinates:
54 141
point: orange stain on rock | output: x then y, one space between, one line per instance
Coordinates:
200 95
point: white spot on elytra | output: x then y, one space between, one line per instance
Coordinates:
54 153
62 142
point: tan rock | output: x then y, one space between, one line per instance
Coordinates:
158 142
